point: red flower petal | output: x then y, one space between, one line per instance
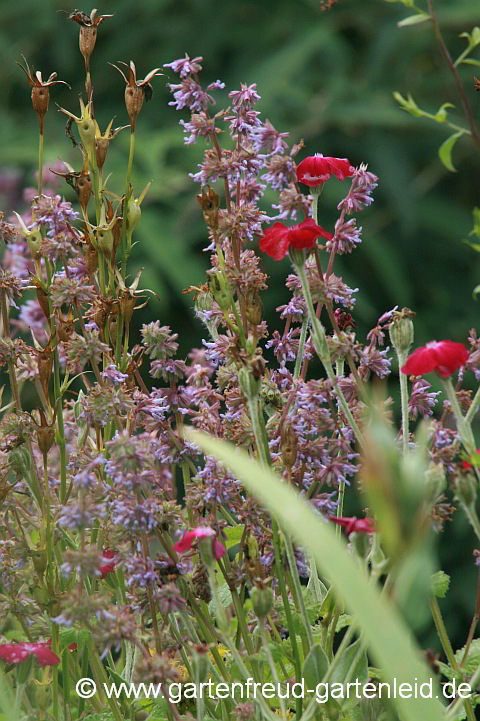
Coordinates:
317 169
106 568
277 240
185 543
18 652
443 357
352 523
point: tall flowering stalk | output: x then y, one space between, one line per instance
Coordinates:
150 561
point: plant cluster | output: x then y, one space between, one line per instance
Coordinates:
136 547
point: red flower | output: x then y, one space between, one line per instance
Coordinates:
71 646
443 357
352 523
200 532
316 169
106 568
18 652
279 238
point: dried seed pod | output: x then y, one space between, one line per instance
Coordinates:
45 433
101 150
42 298
45 361
65 327
91 257
127 306
254 307
209 202
83 189
40 98
87 40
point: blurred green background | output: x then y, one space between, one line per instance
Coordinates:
326 77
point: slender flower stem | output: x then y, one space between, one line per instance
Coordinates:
447 647
473 407
402 358
301 349
261 440
298 588
40 158
463 426
321 348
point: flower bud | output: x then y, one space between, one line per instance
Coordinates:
86 129
435 481
466 489
288 445
262 601
249 385
254 307
20 461
133 214
251 548
401 330
104 238
221 291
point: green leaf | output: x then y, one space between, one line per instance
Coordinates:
441 114
234 535
471 61
475 246
225 596
440 584
473 659
445 150
475 292
389 639
315 666
344 673
414 20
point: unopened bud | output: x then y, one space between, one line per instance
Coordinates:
86 130
254 307
251 548
262 601
249 385
133 214
104 238
466 489
221 290
401 330
435 481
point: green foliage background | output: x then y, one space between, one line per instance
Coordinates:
326 77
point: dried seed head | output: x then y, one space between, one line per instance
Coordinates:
101 150
91 257
42 298
127 306
134 98
65 327
87 40
45 360
45 433
83 189
40 98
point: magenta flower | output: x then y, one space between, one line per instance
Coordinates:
185 544
279 238
353 524
317 169
443 357
19 652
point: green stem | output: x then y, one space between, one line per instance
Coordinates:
298 588
271 663
56 649
402 357
447 647
40 159
473 407
301 349
321 348
463 427
19 692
